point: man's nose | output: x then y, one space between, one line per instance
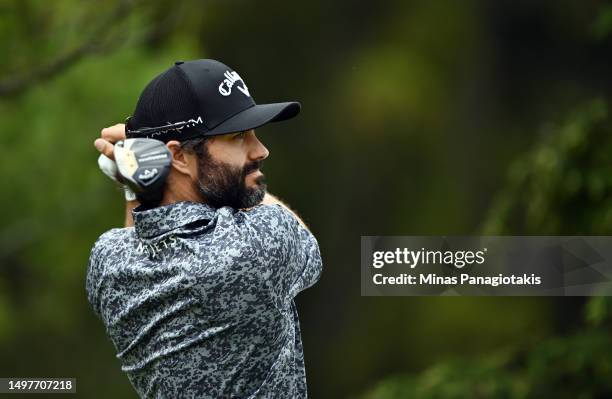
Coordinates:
258 151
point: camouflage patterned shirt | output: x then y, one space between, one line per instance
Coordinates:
199 302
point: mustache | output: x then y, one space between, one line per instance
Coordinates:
252 166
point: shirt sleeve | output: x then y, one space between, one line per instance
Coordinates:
93 278
290 251
95 269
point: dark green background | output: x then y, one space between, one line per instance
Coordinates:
419 117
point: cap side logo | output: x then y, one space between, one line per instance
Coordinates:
225 87
184 124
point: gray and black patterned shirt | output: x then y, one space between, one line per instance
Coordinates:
199 301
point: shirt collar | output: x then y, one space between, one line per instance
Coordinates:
162 219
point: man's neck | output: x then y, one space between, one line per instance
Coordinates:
176 191
180 193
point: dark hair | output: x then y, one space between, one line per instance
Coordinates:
196 146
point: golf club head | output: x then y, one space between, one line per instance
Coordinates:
143 165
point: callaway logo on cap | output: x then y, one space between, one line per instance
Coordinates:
225 88
200 98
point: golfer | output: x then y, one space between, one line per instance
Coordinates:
197 291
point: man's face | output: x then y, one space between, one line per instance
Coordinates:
229 170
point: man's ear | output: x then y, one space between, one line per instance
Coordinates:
184 162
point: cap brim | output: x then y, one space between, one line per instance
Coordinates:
256 116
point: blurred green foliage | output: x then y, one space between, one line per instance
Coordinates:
418 118
573 367
562 187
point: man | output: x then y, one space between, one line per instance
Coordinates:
197 296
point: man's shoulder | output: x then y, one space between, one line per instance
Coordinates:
112 239
268 217
276 222
266 212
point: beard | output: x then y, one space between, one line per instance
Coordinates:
220 184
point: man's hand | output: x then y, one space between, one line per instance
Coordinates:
108 137
106 145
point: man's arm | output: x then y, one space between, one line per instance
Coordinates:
291 250
270 199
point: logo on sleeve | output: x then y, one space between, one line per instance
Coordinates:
231 79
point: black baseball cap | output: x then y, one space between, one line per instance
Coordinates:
200 98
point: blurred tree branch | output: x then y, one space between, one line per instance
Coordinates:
95 43
161 19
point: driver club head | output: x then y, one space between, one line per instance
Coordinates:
143 165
